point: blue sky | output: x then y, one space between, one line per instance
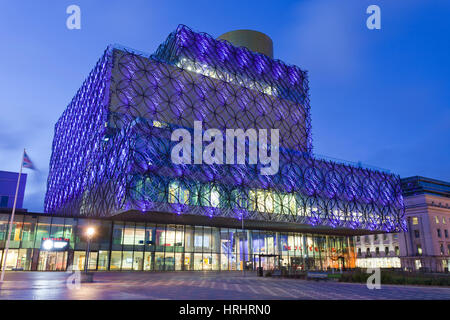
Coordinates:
378 96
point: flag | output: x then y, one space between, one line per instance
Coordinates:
26 163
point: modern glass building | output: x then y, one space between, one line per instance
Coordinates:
111 165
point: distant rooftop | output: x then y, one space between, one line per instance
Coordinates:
421 185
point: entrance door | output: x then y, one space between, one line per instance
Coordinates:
271 262
52 261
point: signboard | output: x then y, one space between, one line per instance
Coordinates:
54 244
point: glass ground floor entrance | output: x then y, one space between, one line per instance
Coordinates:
141 246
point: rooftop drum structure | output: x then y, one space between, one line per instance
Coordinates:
112 146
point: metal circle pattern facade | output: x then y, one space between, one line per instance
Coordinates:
112 147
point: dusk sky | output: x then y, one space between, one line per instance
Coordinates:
381 97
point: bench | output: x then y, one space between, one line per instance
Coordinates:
276 273
316 276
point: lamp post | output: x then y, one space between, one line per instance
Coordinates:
90 231
243 244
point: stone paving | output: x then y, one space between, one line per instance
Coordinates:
199 286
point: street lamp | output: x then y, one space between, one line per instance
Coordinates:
90 231
243 244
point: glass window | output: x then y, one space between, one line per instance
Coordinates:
29 226
419 249
57 228
79 258
159 261
446 233
3 226
148 261
386 251
178 193
169 261
24 259
415 221
207 239
150 231
69 226
416 233
188 261
441 248
179 239
139 235
198 261
117 234
103 234
436 218
138 260
127 260
198 239
43 230
179 261
225 248
116 260
128 234
103 260
160 239
11 259
215 237
189 239
169 238
439 233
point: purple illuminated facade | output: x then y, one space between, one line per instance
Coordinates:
112 147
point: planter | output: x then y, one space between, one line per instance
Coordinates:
87 277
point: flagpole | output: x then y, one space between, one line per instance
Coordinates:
5 254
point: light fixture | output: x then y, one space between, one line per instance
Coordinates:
90 231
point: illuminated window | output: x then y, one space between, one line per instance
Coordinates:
443 220
415 220
178 194
159 124
419 249
436 219
215 198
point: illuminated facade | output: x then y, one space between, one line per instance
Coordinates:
144 246
111 156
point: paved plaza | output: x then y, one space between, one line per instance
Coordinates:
198 286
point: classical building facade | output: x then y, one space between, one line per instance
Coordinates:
426 246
